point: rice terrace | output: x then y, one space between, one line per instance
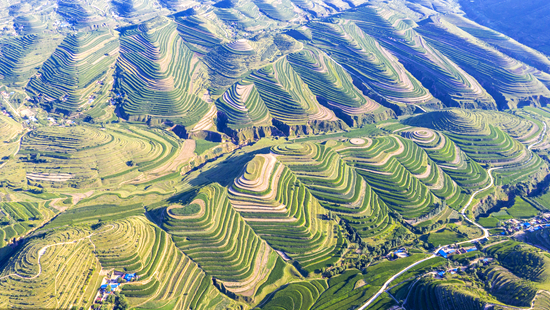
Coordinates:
275 154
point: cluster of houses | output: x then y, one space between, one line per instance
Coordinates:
528 226
111 284
446 252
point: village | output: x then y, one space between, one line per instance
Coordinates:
111 284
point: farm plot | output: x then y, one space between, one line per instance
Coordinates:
215 236
77 74
17 218
158 77
283 211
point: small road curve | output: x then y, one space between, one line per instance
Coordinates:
485 230
42 251
485 235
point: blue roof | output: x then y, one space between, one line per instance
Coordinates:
114 285
442 253
471 250
104 286
441 273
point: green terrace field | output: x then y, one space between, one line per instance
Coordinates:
90 156
339 188
155 61
17 218
80 13
435 295
290 101
484 143
400 188
77 75
243 107
282 211
447 81
216 237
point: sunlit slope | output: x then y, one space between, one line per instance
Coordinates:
87 156
78 73
510 82
451 159
334 87
157 76
445 79
339 188
289 99
166 275
63 275
282 211
243 106
10 132
400 188
483 142
215 236
373 65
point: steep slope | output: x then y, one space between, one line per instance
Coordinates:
215 236
158 78
445 80
283 212
291 102
78 72
509 81
334 87
373 65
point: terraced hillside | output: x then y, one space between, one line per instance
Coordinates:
376 160
18 218
59 271
87 156
510 82
484 143
199 33
445 80
283 212
77 75
166 275
290 101
334 88
135 10
339 187
10 132
232 61
244 113
215 236
167 76
450 158
373 65
509 288
80 13
443 295
512 256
